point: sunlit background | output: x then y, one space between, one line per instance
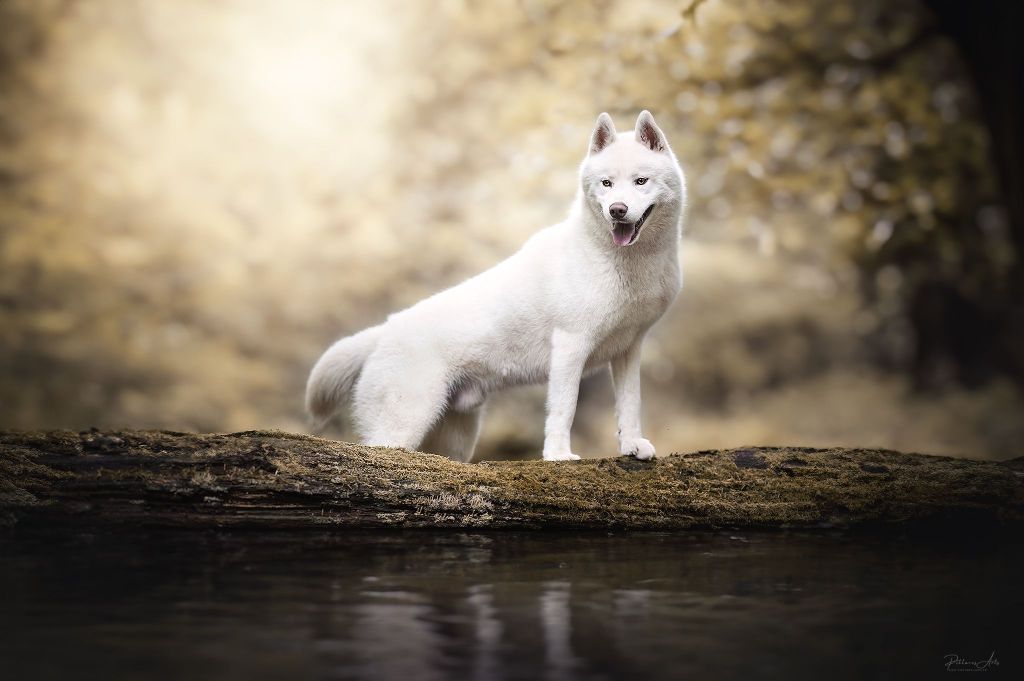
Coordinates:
197 197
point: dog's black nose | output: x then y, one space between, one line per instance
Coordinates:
618 210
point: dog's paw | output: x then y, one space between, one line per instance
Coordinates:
568 456
640 447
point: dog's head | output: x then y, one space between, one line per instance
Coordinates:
631 181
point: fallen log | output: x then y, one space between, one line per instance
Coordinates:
276 480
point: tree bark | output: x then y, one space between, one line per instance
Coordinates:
277 480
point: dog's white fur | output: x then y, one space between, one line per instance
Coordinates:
570 301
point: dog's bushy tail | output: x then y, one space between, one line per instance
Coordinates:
335 373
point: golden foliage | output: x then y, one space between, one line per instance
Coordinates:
198 197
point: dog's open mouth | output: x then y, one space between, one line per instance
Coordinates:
625 233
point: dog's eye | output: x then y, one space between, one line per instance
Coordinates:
641 180
606 183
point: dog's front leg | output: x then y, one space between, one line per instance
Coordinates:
626 378
569 354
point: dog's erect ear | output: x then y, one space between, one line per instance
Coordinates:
604 133
648 133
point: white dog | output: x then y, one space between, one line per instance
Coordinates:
577 296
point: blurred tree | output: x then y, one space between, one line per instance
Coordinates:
986 34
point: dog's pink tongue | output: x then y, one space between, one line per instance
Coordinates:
621 234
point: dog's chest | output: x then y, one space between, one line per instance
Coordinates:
635 301
640 295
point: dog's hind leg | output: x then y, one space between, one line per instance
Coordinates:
398 399
455 434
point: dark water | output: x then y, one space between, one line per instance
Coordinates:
505 606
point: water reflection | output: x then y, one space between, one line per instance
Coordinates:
555 619
488 630
499 606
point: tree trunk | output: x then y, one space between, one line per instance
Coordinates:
277 480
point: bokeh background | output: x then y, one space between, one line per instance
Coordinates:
197 197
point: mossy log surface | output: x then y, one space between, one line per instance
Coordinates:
277 480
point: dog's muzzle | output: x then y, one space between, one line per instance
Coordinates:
625 233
